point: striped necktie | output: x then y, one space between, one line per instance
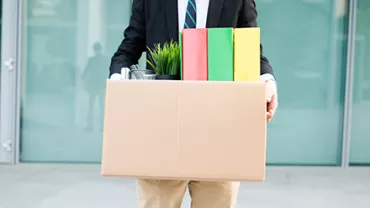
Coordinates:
191 15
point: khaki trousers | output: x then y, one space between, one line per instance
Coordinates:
169 194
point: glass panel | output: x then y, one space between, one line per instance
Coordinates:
360 131
306 44
67 47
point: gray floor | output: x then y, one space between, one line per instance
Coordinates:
80 186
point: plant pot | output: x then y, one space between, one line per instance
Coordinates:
167 77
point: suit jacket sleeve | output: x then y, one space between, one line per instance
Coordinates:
133 44
248 18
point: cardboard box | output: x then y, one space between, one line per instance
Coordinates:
220 54
188 130
194 54
247 54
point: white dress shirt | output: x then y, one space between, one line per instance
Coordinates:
202 13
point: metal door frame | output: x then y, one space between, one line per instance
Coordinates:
346 139
9 106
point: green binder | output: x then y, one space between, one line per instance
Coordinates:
180 44
220 54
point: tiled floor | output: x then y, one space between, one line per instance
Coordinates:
81 186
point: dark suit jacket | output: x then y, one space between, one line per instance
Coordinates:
156 21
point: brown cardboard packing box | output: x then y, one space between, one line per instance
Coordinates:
188 130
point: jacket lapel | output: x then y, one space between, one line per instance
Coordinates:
172 19
214 13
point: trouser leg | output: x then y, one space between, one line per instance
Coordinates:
160 193
213 194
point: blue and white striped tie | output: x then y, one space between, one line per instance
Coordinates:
191 15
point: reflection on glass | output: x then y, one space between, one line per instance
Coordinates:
360 132
64 10
94 78
306 44
66 54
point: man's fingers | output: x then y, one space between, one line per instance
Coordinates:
271 108
269 92
268 116
268 99
269 95
271 100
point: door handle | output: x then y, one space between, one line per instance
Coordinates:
7 146
9 64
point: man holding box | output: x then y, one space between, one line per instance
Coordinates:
159 21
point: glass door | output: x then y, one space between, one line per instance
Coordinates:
8 81
360 100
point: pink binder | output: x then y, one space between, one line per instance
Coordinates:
194 54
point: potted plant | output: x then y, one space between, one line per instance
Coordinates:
165 60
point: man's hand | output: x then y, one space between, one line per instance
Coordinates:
116 76
271 99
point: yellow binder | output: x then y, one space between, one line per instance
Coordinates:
247 52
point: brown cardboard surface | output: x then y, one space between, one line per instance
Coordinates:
188 130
